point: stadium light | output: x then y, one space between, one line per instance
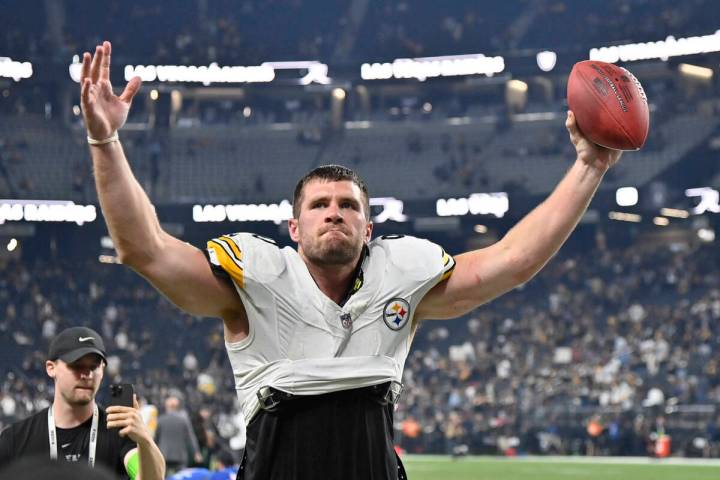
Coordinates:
107 242
338 94
273 212
701 73
392 209
316 72
661 221
154 94
206 75
12 244
517 86
176 99
75 69
480 229
46 211
706 234
108 259
662 49
496 204
626 196
458 120
674 212
709 199
423 68
625 217
546 60
9 68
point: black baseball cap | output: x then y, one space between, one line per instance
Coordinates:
75 342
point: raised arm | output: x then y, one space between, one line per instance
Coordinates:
177 269
484 274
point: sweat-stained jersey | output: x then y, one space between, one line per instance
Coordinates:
302 342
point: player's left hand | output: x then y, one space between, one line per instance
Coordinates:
590 153
129 420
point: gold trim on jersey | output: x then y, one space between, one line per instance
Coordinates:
448 265
233 246
228 259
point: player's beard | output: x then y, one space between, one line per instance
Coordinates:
334 251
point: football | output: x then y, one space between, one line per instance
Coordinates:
609 104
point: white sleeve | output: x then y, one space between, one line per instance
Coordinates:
419 260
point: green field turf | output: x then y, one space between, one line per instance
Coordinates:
427 467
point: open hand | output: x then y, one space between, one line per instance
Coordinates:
587 151
104 112
129 421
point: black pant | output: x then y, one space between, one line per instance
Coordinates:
343 435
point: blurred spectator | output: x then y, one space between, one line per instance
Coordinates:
175 437
73 428
640 332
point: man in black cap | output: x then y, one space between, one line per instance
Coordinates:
74 428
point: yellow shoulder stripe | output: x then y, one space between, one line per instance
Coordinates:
446 259
224 256
233 246
448 265
447 274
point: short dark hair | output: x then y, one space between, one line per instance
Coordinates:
330 173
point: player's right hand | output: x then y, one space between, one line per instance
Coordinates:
103 111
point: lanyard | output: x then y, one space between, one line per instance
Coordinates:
52 435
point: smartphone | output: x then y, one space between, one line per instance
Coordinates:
121 394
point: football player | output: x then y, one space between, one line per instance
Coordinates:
317 336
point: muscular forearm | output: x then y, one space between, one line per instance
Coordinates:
152 462
538 236
481 275
129 215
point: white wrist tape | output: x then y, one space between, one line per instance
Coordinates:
112 138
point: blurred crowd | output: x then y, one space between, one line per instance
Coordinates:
625 339
238 32
150 344
602 353
228 32
618 338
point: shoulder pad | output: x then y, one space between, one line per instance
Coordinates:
417 258
246 256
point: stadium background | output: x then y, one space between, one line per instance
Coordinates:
615 343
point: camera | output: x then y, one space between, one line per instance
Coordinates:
121 394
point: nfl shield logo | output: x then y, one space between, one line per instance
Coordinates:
346 320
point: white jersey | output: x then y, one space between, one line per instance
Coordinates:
302 342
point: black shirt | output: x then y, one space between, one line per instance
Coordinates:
30 437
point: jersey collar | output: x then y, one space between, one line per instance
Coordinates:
358 275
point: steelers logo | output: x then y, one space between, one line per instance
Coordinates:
396 313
